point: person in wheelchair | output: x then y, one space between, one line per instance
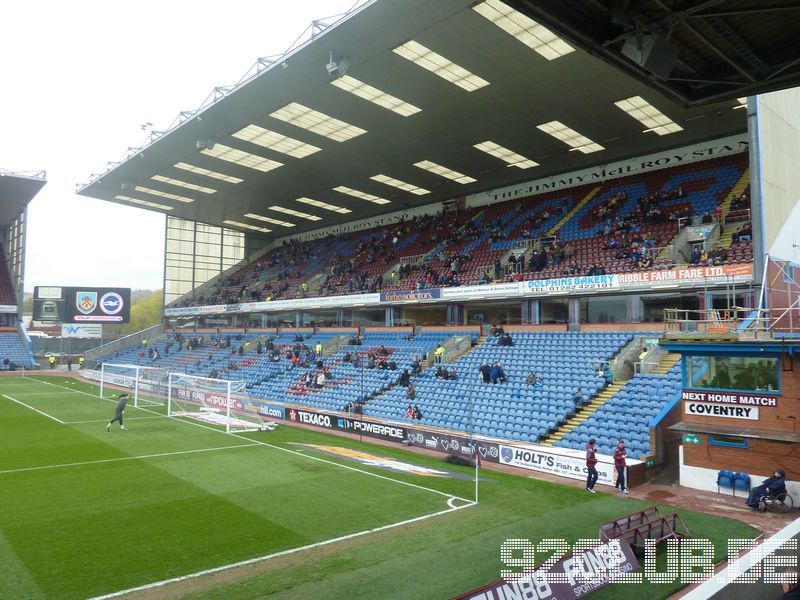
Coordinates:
769 487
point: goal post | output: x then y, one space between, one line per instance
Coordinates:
148 384
216 401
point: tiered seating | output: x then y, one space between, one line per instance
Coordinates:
186 361
280 273
512 409
11 348
281 383
627 415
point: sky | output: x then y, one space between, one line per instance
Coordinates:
78 81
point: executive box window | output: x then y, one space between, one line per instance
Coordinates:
732 373
608 309
653 306
553 310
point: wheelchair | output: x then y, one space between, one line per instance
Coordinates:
778 502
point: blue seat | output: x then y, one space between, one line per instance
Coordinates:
725 480
741 481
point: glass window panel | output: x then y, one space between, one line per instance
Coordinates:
733 373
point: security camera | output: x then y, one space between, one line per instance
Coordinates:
332 68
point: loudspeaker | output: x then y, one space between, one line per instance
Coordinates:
653 53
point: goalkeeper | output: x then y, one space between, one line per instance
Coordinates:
123 401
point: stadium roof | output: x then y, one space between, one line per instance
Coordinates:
268 145
16 190
710 49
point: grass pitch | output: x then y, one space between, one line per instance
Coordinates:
85 512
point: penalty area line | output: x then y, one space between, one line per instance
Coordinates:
41 412
250 561
124 458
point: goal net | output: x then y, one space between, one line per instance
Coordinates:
149 384
216 401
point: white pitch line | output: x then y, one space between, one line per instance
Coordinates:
106 420
288 450
451 498
123 458
250 561
56 419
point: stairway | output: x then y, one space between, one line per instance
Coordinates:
669 360
583 413
570 214
726 237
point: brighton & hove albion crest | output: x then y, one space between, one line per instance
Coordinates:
86 302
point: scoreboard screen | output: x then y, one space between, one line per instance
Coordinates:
83 304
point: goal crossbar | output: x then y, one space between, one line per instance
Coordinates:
137 378
215 401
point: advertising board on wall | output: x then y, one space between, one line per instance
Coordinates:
453 444
572 466
710 409
741 398
82 331
566 286
661 160
369 428
410 295
689 276
571 284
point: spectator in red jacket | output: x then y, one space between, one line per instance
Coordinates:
591 461
619 464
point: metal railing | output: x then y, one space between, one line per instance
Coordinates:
752 322
736 216
123 343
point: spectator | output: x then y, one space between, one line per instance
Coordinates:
438 353
320 379
417 413
382 351
416 366
405 378
578 398
772 485
531 379
441 372
411 393
391 365
497 374
485 372
505 340
452 375
410 412
591 462
619 465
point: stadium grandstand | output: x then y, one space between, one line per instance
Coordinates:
493 231
16 191
573 220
